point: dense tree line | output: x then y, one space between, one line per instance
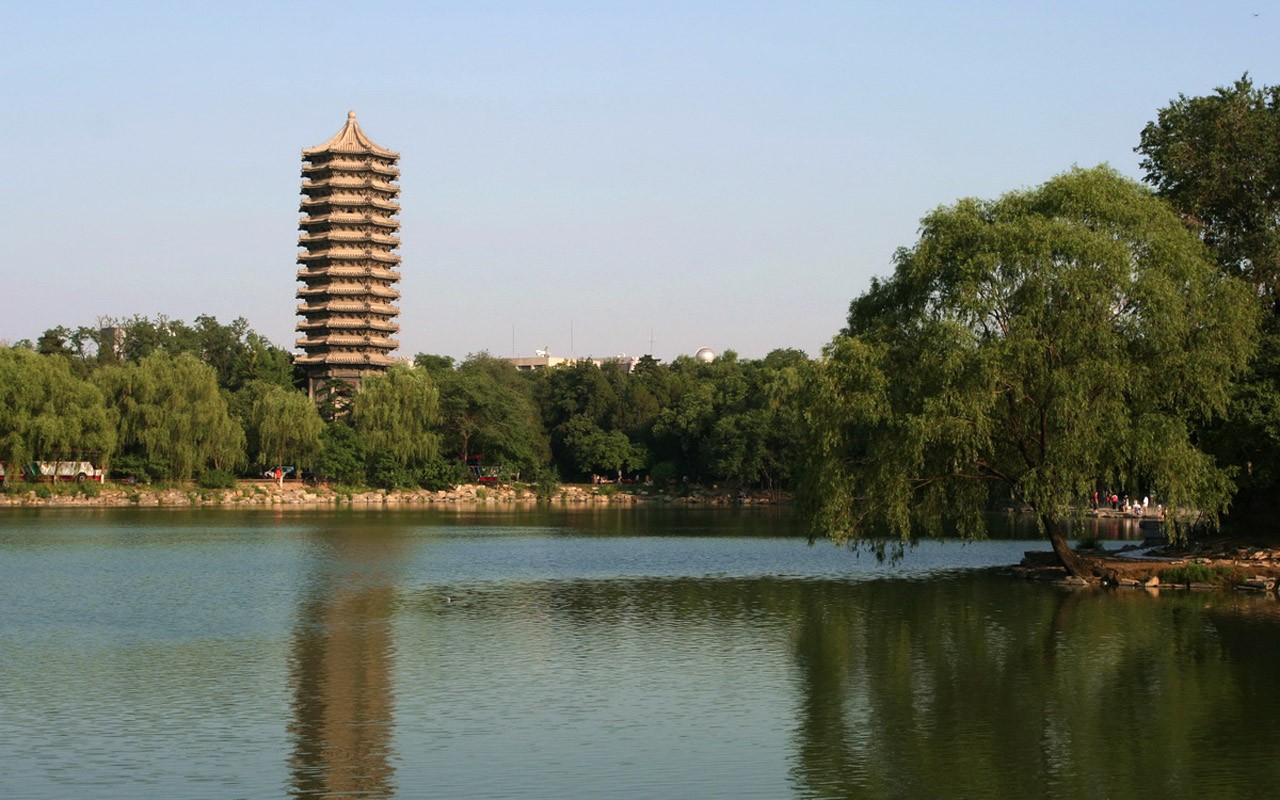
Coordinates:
161 399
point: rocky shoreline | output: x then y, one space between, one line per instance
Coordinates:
1210 565
249 494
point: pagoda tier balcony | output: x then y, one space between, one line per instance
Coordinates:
347 306
385 166
345 290
347 340
351 242
347 323
344 236
348 271
369 359
325 221
374 360
380 256
317 171
348 182
340 202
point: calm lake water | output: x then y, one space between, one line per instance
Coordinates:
651 653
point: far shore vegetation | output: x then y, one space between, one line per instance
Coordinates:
1091 334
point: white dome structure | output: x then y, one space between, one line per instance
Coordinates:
705 355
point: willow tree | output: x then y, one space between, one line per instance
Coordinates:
47 412
397 412
1028 348
283 424
170 408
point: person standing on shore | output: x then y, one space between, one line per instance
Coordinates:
280 477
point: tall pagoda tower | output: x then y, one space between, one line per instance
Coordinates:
349 264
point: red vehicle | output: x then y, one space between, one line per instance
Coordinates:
482 473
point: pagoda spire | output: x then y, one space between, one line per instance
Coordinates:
349 259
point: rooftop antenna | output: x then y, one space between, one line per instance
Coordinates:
573 353
650 340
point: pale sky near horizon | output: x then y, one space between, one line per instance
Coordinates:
575 175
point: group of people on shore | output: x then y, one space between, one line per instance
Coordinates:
1122 503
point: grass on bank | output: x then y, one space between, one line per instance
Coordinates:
1195 572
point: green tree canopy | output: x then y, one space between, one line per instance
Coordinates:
433 363
283 425
397 413
46 412
171 410
593 449
1217 160
343 454
484 412
756 440
1037 345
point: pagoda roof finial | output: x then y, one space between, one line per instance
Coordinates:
350 140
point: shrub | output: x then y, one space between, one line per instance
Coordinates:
386 473
89 488
43 490
343 455
546 484
663 473
440 475
132 465
1195 572
217 479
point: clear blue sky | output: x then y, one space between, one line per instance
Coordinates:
727 174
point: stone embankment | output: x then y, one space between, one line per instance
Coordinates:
251 494
1204 566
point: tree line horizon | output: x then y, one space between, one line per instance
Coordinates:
1091 332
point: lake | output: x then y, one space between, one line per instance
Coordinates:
600 653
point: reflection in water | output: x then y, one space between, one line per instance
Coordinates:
968 685
486 660
340 676
1056 694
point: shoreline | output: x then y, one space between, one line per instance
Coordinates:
266 494
1217 564
1235 563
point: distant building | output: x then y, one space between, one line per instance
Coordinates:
349 262
623 361
539 362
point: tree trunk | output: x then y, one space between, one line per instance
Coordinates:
1062 548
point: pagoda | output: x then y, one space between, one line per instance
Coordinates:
349 259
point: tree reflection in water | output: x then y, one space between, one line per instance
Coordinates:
1027 691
